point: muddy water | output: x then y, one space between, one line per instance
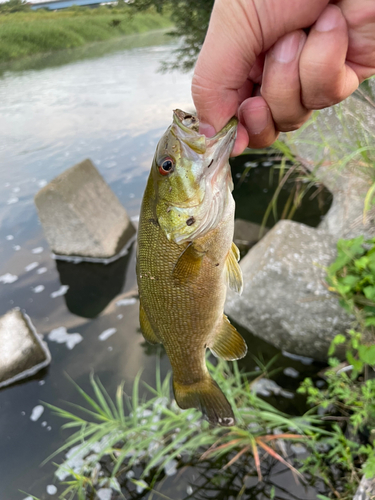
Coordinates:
109 103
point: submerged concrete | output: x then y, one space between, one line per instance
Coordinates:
81 216
22 352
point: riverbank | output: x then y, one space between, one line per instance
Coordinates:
37 32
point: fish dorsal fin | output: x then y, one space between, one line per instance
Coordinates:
228 343
146 327
188 264
233 272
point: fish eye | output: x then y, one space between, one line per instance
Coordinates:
166 166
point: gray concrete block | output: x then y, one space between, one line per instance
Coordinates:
346 218
366 489
81 216
285 300
346 127
247 233
22 353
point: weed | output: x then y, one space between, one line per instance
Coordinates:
348 400
352 278
150 434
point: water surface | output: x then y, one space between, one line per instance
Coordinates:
112 109
106 102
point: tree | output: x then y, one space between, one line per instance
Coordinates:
191 18
13 6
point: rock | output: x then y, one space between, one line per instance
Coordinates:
246 233
81 216
285 300
22 352
334 161
345 218
366 489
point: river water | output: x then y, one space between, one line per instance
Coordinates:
107 102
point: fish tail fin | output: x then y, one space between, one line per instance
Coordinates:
207 397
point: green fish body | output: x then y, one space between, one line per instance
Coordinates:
186 258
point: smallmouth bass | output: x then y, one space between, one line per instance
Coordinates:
186 258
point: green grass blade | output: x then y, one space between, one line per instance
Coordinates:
101 398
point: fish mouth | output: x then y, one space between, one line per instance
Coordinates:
222 143
189 123
186 121
214 151
186 128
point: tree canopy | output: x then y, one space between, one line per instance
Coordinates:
191 18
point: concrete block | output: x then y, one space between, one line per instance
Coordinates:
247 233
81 216
366 489
22 353
285 300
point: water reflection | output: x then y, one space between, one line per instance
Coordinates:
92 286
91 51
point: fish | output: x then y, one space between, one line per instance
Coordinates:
186 258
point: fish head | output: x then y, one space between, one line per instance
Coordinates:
192 178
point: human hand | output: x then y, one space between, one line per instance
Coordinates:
252 44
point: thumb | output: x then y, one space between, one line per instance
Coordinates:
238 32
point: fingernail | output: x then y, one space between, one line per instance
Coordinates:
286 49
328 20
257 120
206 129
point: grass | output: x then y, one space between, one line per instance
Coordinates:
148 433
28 33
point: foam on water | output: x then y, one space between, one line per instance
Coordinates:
61 291
107 333
8 278
31 266
36 412
61 336
37 250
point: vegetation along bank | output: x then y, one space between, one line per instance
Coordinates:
28 32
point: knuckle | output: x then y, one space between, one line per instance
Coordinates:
291 125
288 122
324 96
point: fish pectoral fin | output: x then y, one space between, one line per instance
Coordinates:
233 272
188 264
228 343
146 327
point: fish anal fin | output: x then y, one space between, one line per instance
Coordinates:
188 264
228 343
233 272
146 327
207 397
